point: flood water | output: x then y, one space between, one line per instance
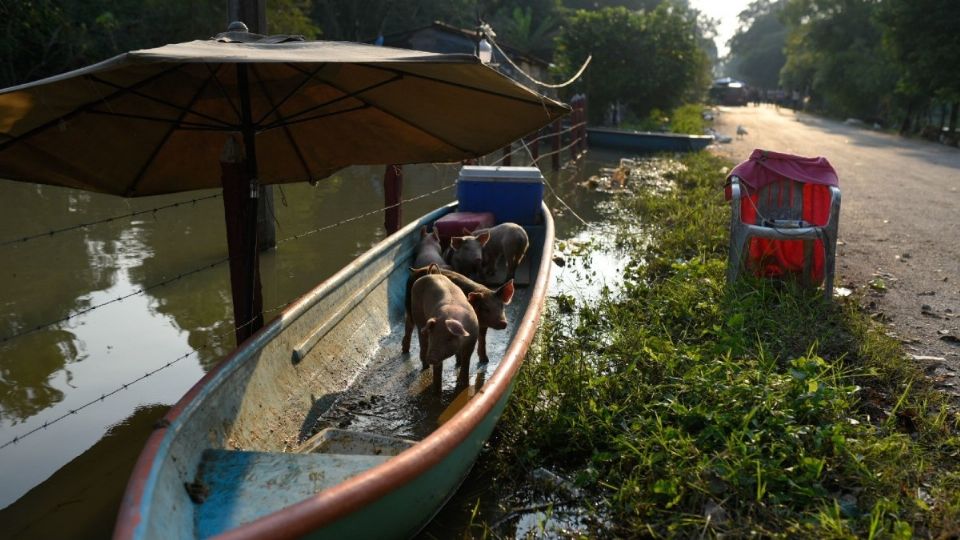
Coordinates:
103 327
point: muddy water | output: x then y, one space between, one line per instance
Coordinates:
72 473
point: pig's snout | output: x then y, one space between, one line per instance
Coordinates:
500 325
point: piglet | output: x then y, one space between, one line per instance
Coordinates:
507 241
487 304
447 325
428 250
466 254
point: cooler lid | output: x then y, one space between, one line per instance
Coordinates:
487 173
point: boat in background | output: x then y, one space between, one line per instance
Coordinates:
645 141
319 426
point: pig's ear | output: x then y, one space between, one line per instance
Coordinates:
456 242
434 269
483 238
436 234
423 231
505 292
467 232
456 328
474 297
431 322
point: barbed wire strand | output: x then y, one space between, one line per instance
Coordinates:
550 187
164 282
54 232
124 386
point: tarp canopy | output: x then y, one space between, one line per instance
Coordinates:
155 121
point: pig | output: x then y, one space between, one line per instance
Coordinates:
428 250
447 325
487 304
507 241
466 255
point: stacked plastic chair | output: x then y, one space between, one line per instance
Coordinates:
785 217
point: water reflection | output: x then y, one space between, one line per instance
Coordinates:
47 373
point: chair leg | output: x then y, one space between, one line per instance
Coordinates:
738 243
829 266
808 263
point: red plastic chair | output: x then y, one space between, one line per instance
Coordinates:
787 218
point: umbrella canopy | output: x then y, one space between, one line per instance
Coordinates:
155 121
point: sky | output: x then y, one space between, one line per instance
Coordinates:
726 11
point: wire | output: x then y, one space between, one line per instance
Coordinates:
106 220
167 281
488 33
361 216
124 386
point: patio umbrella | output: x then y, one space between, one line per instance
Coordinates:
154 121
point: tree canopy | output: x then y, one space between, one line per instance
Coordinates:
645 60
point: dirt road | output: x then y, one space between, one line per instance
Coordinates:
899 222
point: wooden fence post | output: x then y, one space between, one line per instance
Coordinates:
392 190
555 158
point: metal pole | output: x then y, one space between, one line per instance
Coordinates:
253 13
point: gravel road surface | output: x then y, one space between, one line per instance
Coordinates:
899 242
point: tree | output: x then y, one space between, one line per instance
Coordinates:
756 50
835 52
645 60
46 37
924 37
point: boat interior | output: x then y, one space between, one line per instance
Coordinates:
321 395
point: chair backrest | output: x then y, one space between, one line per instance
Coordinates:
780 200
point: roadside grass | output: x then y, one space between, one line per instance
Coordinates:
683 407
683 119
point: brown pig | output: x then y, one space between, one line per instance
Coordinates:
447 323
487 304
507 241
466 255
428 250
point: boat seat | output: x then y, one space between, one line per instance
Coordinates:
242 486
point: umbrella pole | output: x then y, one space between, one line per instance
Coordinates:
241 223
240 204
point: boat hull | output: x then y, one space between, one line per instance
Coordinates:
260 404
646 142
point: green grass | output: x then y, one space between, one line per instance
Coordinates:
685 119
686 408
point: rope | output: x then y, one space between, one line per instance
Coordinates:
126 385
105 220
488 33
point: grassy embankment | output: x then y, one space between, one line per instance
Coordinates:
684 408
685 119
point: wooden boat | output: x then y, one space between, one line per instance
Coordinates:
318 426
644 141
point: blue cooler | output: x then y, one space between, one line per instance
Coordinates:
512 194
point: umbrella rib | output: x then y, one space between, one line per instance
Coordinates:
286 128
195 125
458 85
85 107
162 102
289 95
276 125
223 90
166 136
347 95
408 122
